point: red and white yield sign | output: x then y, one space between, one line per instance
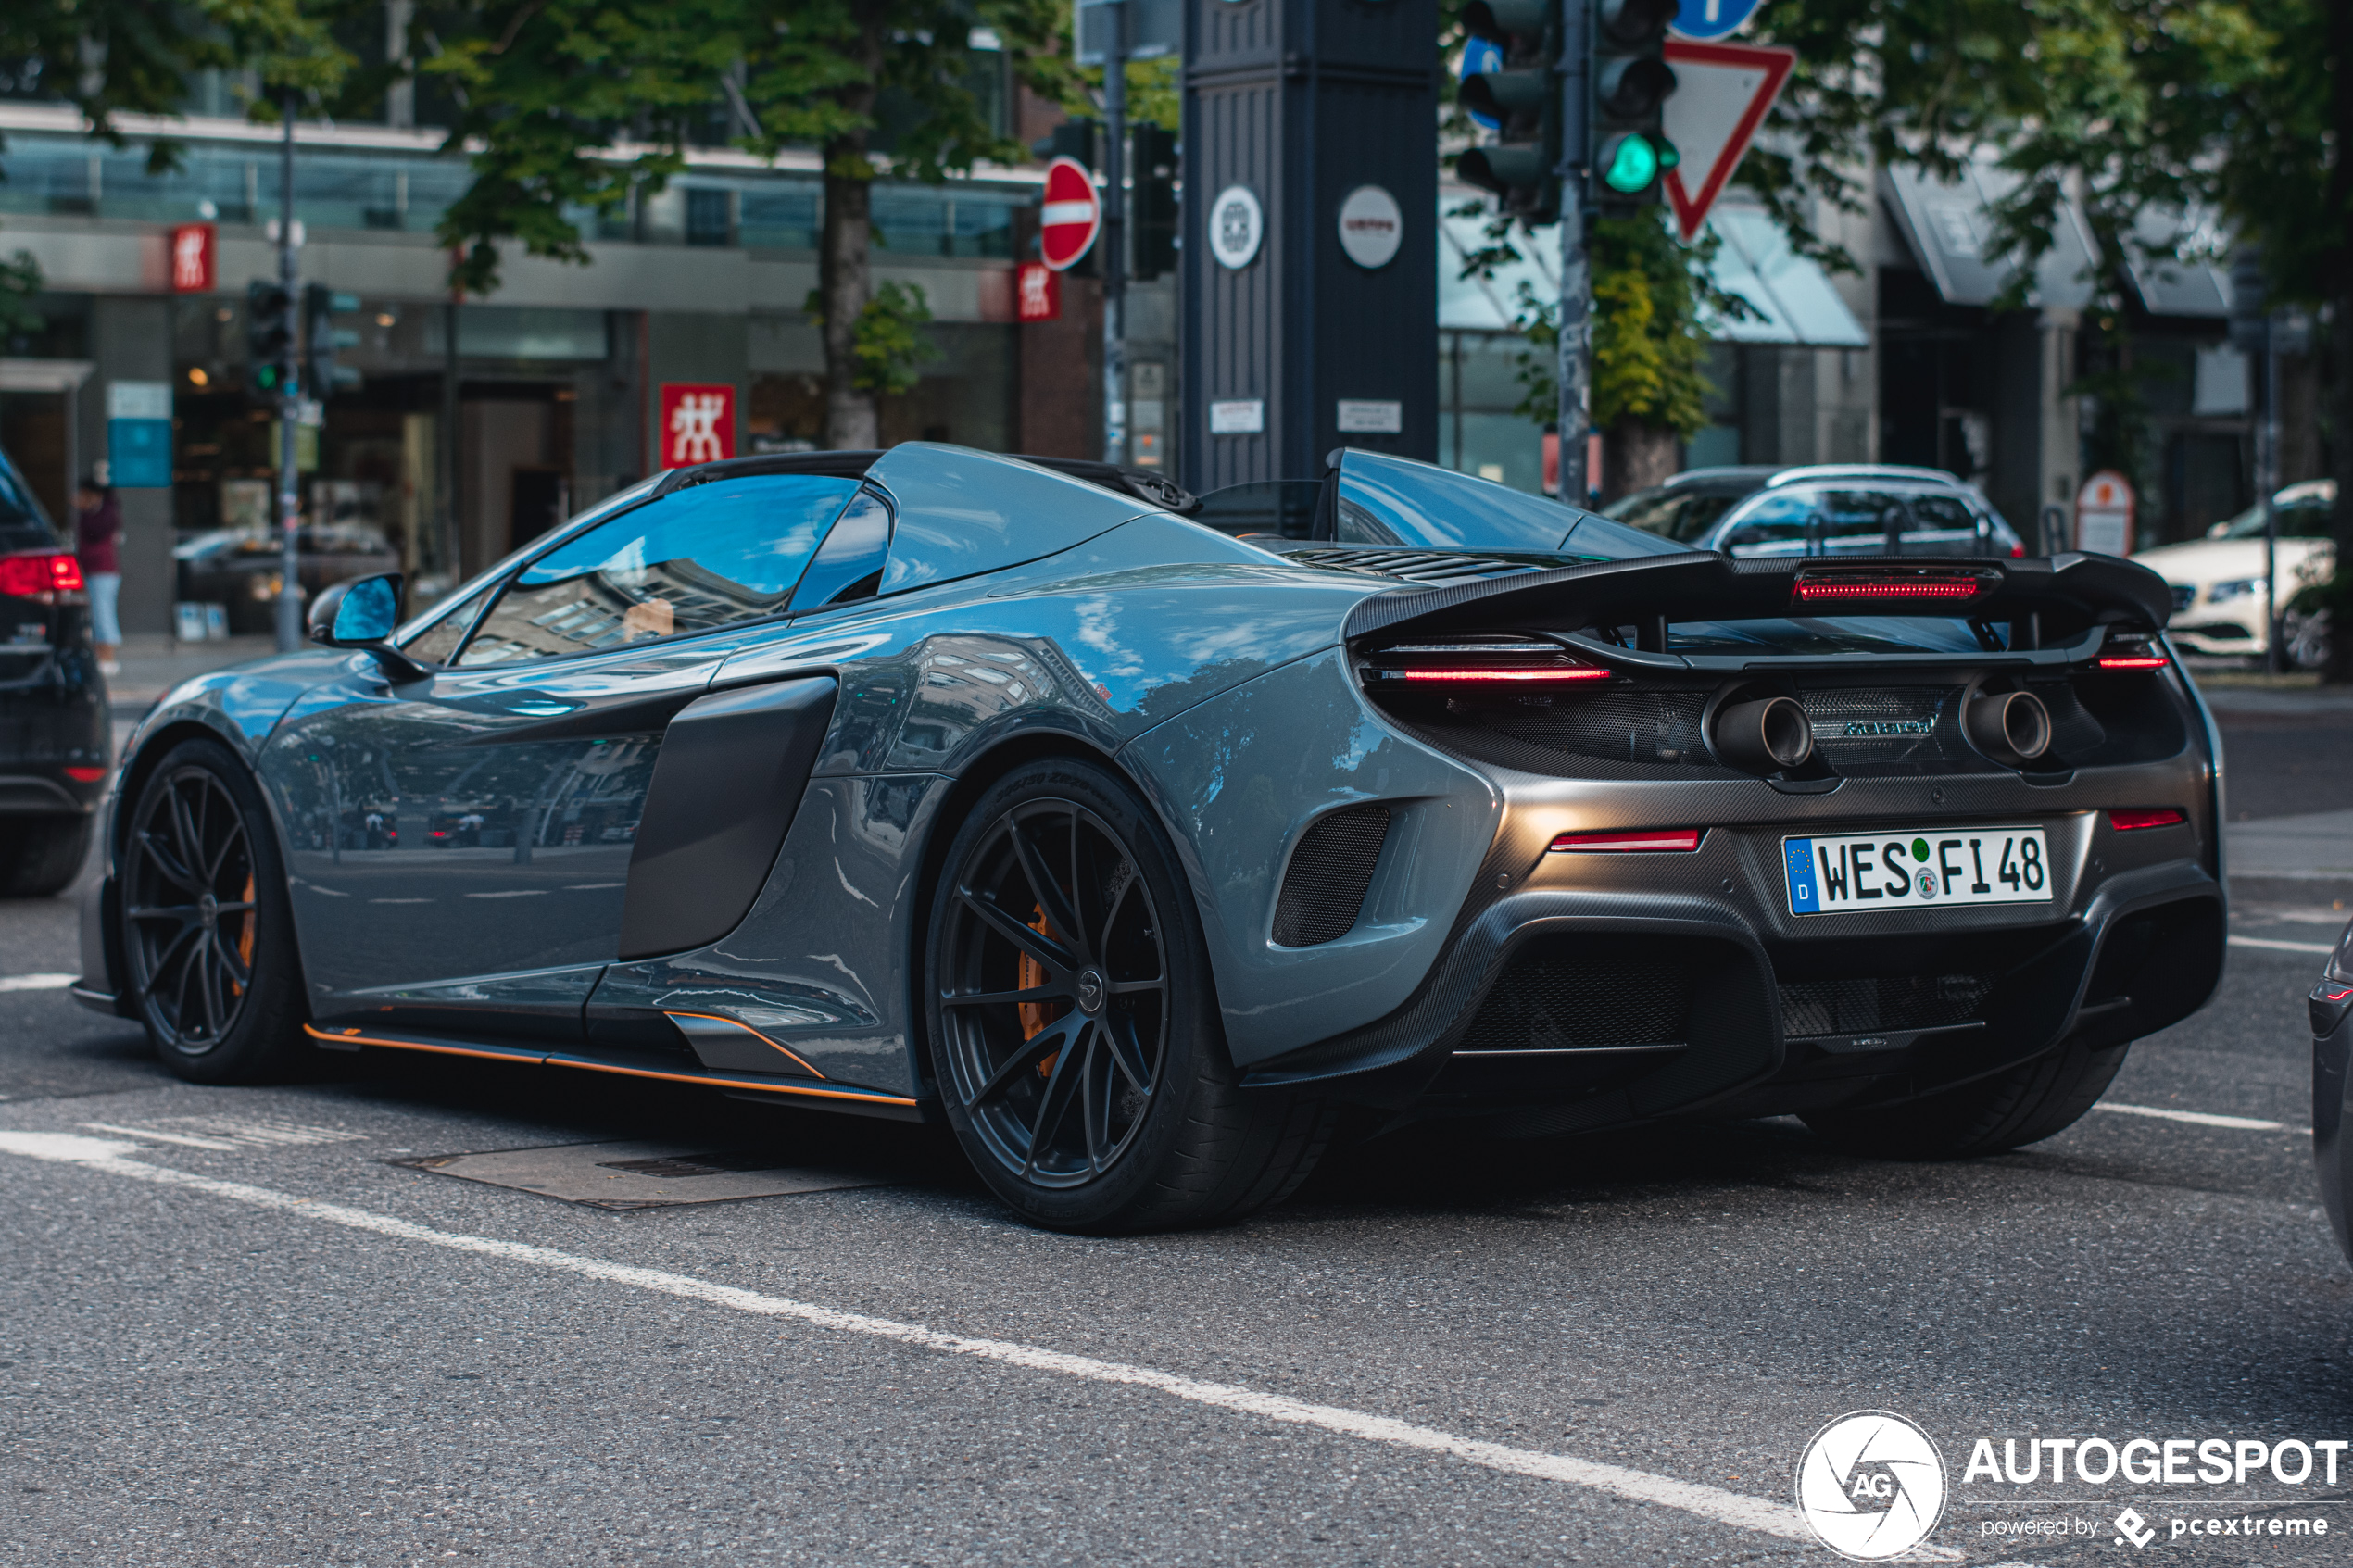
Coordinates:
1722 92
1071 216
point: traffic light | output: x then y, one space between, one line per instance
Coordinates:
1630 81
268 340
1523 96
1155 209
322 337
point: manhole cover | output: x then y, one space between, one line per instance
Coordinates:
638 1175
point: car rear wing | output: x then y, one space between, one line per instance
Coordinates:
2046 602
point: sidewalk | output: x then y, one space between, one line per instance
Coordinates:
2305 859
152 665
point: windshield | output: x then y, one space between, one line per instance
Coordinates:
2305 516
1822 635
1386 500
23 525
1681 514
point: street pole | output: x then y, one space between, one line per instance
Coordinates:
1574 372
1113 240
2267 485
289 395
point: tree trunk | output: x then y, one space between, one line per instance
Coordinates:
1635 456
845 250
845 282
2337 267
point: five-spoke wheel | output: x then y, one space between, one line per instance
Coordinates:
1073 1020
205 944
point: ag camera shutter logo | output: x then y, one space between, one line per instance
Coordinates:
1872 1486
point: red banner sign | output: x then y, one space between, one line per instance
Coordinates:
698 422
1037 293
195 258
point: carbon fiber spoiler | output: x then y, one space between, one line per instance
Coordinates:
2058 597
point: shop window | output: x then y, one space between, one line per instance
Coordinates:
710 217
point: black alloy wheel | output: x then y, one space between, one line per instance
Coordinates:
206 944
1073 1023
1057 994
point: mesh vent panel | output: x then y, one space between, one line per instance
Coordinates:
1324 884
1862 1006
1576 994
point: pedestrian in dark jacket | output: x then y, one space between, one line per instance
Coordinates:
97 529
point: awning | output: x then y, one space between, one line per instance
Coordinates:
2168 285
1949 229
1796 301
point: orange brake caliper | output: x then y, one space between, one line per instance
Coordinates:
1028 974
244 939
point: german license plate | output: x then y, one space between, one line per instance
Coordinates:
1917 868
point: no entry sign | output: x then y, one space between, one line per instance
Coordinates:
1072 216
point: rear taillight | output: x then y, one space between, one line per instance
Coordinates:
24 576
1497 665
1889 584
2135 661
2148 816
85 775
1637 841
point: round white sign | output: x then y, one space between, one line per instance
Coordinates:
1236 225
1871 1484
1371 227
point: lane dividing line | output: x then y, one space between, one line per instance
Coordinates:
2277 946
36 982
1706 1502
2203 1117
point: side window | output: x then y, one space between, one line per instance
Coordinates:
1857 520
727 551
1779 524
437 642
848 564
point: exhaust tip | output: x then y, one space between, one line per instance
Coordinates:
1764 736
2010 726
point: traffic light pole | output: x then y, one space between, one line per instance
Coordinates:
1113 242
1573 374
289 399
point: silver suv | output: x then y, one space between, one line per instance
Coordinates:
1827 509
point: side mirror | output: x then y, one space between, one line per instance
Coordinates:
361 614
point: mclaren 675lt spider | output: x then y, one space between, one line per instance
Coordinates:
939 785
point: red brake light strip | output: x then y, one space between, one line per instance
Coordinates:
1868 588
1638 840
2135 661
1482 675
2150 817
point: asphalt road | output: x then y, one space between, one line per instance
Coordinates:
270 1351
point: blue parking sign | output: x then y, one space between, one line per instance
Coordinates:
1713 19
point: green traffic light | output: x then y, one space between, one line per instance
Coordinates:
1632 163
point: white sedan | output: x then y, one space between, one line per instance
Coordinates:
2218 580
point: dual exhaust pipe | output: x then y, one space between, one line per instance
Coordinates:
1772 735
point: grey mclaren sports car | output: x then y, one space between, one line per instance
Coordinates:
939 785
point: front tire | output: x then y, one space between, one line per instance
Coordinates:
2026 1104
41 856
207 935
1074 1022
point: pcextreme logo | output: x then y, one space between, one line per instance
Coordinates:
1871 1484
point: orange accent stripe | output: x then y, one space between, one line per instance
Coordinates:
554 1059
354 1034
868 1098
756 1035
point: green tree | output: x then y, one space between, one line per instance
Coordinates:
549 89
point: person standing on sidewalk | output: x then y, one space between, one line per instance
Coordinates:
97 527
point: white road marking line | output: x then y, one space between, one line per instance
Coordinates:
2203 1117
1689 1497
2281 946
229 1132
36 982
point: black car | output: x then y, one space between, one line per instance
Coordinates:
2332 1006
54 745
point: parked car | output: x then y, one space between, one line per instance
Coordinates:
939 785
55 742
243 569
2332 1008
1822 510
2218 580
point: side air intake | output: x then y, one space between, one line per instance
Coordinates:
1323 887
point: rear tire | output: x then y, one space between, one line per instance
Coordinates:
41 856
1074 1026
207 940
2025 1105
